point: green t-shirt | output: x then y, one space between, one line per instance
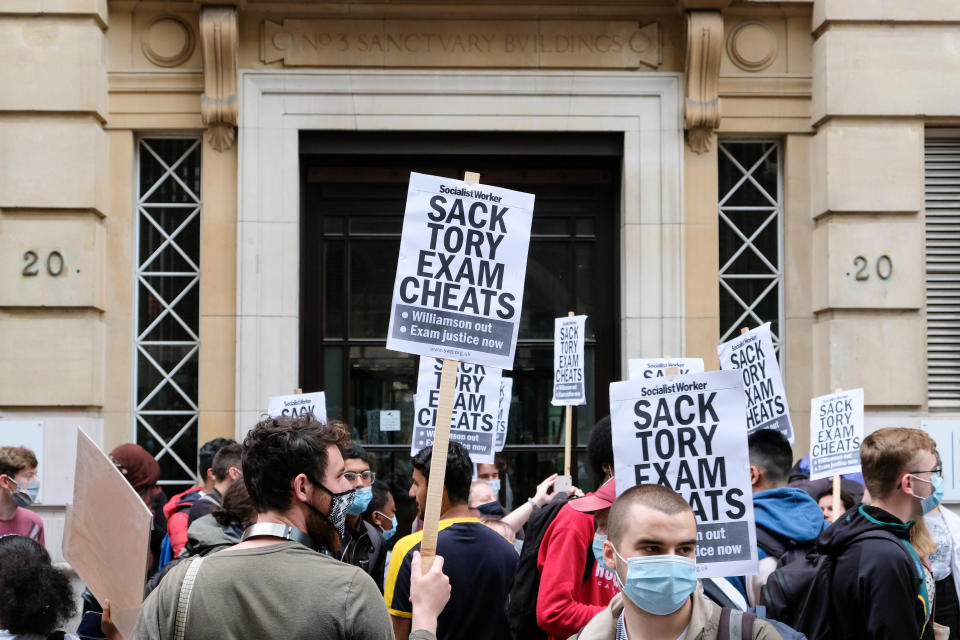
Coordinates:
279 591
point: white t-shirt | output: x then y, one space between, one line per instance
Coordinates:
622 630
939 559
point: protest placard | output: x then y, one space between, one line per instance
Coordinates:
752 354
689 433
110 559
460 274
946 433
640 368
476 406
569 387
299 405
503 415
836 431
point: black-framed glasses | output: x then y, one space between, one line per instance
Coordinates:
938 471
366 476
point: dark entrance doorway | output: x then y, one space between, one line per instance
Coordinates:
353 187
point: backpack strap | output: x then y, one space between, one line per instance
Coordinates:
735 624
183 602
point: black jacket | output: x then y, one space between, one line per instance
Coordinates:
364 547
876 582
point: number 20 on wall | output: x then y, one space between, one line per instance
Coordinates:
883 268
55 264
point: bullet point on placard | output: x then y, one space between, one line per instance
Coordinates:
403 329
404 315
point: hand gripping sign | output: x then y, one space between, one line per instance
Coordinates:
457 295
752 354
689 433
640 368
836 431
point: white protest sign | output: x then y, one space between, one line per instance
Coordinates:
946 433
463 259
503 416
568 379
689 433
836 431
657 367
299 405
475 408
753 355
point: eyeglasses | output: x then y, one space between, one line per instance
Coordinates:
938 471
366 476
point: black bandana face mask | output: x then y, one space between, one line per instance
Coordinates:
339 505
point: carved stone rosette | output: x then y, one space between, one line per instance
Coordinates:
219 44
701 109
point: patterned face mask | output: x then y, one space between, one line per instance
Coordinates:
339 506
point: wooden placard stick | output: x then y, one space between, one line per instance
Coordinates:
566 481
298 391
837 503
744 330
441 443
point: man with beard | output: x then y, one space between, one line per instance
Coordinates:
274 583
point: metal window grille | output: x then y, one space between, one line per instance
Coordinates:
751 237
942 205
167 317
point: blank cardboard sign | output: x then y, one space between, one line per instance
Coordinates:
107 535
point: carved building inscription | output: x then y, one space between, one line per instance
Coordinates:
461 43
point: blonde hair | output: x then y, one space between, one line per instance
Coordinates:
886 454
921 539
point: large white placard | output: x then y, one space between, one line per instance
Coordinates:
836 431
503 417
569 386
476 406
640 368
463 259
753 356
299 405
689 433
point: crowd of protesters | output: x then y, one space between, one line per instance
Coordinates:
290 534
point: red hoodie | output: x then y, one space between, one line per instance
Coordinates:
177 511
566 602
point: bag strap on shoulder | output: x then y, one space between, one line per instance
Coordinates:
186 592
735 624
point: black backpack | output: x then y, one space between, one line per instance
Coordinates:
785 549
522 601
799 593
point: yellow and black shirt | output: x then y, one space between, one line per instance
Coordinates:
480 564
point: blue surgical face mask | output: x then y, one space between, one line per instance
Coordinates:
658 584
494 484
24 496
932 501
361 501
598 540
388 533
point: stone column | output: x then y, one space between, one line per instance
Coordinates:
867 177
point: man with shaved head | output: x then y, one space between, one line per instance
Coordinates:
651 547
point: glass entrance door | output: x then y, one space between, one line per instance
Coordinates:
353 194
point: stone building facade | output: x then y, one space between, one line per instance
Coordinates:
746 161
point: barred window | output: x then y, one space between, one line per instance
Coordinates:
942 219
167 319
751 237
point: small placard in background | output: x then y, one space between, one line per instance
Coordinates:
390 420
946 433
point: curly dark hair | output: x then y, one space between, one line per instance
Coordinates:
600 448
34 596
278 449
237 507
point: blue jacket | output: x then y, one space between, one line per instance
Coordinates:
789 512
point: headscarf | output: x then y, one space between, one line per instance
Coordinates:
143 471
